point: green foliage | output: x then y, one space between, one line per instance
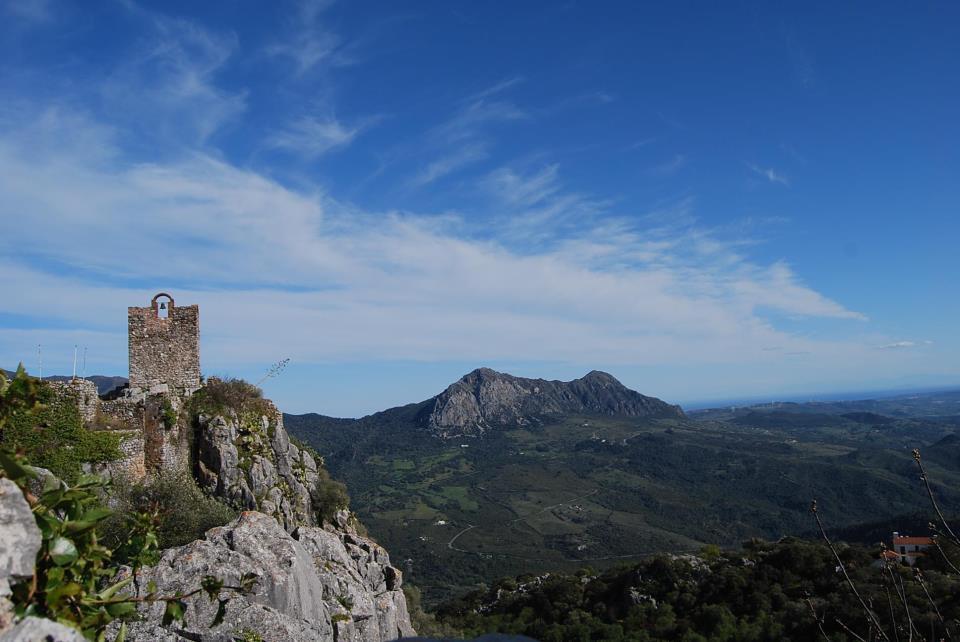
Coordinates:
51 433
758 594
168 414
77 580
328 496
425 624
17 396
228 396
640 487
183 512
340 617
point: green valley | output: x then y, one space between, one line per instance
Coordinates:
564 491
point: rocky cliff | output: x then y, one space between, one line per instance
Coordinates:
314 581
484 399
323 584
247 459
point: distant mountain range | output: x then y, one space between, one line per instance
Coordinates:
104 383
499 475
485 400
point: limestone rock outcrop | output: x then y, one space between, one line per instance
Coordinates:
250 462
485 399
319 584
19 544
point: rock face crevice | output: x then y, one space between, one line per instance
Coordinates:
324 584
485 399
251 463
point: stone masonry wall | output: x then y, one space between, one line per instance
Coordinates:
164 351
82 392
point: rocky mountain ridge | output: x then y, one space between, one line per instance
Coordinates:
486 399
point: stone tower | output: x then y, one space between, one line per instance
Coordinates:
164 344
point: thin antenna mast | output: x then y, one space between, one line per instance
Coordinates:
74 361
40 359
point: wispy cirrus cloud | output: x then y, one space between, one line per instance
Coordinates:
901 345
668 167
437 169
462 139
167 89
314 136
770 174
308 43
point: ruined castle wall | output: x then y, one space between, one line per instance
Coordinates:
81 392
164 351
121 414
131 466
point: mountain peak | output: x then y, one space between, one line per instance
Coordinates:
484 399
599 376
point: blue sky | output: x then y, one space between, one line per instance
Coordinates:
709 202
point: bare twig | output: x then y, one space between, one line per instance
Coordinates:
933 500
848 630
918 576
943 553
817 619
871 616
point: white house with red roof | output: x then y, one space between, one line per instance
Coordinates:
910 549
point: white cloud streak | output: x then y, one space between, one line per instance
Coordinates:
445 165
308 43
900 345
312 136
166 89
769 174
283 272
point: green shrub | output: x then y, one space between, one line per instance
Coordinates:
17 395
183 511
218 396
52 434
328 497
424 623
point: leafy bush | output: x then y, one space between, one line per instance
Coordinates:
184 512
51 433
425 624
218 396
18 395
328 497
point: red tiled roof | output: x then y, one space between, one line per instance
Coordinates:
890 555
906 540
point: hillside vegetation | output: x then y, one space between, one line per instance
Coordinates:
596 489
782 591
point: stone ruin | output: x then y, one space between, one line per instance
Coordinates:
164 358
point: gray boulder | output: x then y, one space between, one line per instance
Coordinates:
316 584
35 629
19 545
